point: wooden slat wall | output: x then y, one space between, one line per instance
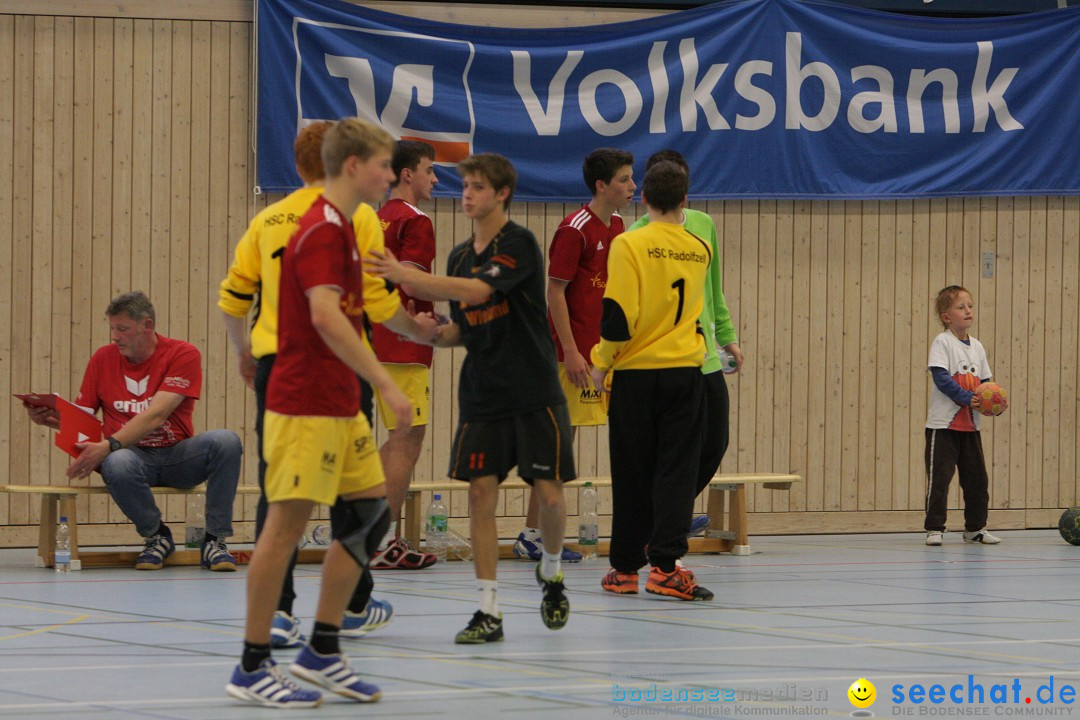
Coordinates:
130 167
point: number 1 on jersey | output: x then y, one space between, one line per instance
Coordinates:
679 285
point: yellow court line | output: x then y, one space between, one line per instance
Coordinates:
44 629
38 608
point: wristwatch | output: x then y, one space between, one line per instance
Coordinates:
114 444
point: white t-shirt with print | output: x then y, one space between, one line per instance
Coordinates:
967 364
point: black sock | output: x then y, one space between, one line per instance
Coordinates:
207 537
163 529
254 655
324 639
285 606
667 567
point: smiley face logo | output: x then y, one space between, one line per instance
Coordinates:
862 693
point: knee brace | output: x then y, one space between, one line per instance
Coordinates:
366 522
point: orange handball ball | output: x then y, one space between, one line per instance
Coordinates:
992 398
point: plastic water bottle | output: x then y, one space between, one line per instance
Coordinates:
728 362
436 527
458 546
62 558
320 535
587 522
195 527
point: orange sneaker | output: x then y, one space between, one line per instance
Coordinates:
679 583
620 582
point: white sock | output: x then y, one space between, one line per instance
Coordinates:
532 534
550 564
489 601
389 537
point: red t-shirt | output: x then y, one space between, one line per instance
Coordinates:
578 255
123 390
308 378
409 235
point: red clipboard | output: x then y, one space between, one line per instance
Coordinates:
76 424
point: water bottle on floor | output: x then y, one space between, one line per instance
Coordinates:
321 535
588 529
195 524
62 558
436 527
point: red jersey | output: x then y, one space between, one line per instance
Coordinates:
123 389
578 256
308 378
409 235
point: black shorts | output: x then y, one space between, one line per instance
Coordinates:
539 443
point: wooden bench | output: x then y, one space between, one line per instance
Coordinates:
59 500
726 508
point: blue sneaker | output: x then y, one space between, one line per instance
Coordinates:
333 673
534 550
698 525
377 614
216 556
155 550
270 687
285 631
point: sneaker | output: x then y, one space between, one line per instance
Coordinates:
981 536
679 583
400 555
698 525
285 631
481 629
377 614
554 608
270 687
216 556
620 582
333 673
534 550
155 550
933 537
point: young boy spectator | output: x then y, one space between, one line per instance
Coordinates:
958 364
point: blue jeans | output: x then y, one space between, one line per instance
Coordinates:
212 457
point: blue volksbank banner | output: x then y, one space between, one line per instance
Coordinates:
765 98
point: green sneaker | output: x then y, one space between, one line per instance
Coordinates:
483 628
554 608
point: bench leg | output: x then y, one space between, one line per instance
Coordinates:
716 506
410 524
738 522
47 530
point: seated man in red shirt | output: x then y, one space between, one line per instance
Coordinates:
146 385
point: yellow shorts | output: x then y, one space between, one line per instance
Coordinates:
415 382
587 407
318 458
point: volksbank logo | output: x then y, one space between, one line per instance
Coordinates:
754 81
427 98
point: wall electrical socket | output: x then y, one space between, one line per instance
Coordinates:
988 265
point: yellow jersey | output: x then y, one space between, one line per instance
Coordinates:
654 295
255 274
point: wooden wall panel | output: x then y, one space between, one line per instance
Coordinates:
129 138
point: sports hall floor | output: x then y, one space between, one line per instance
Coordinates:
792 627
